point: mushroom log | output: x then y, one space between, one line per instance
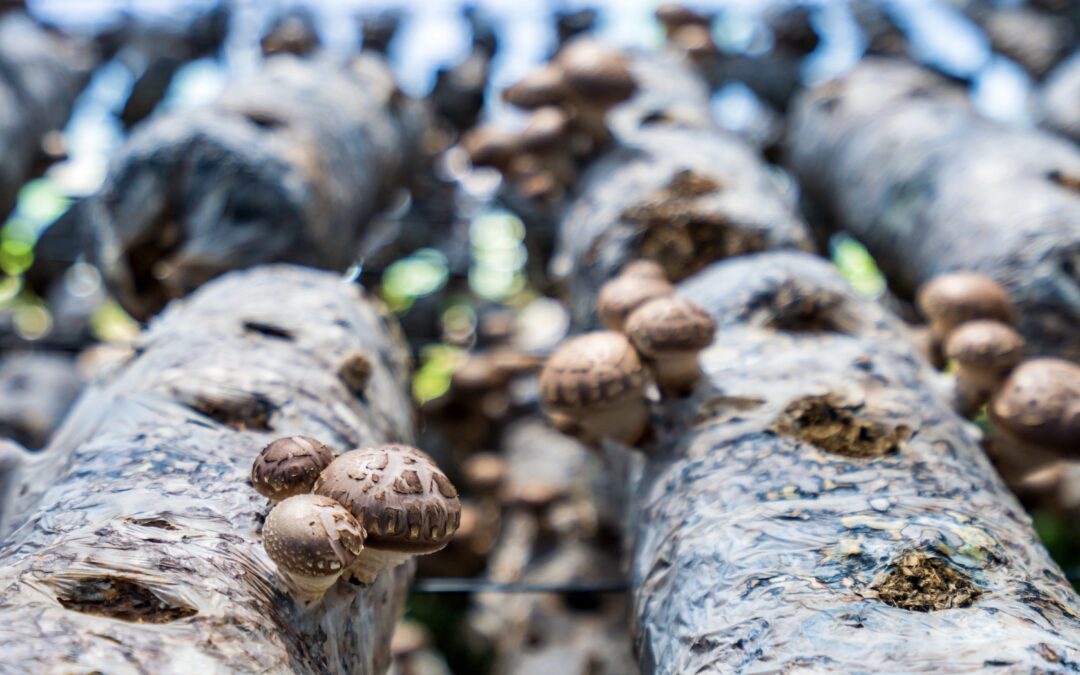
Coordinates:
893 154
815 505
289 165
135 542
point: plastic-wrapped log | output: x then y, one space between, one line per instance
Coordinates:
1036 35
289 166
36 390
893 154
132 543
41 73
816 506
684 197
1058 105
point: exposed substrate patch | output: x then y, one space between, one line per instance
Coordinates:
922 583
835 427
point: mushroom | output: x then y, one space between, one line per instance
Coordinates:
401 498
984 351
697 42
595 385
289 466
669 332
312 540
1035 413
545 139
643 268
543 87
492 147
485 473
598 78
673 16
952 299
628 291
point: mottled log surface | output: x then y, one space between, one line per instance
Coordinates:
682 196
41 73
36 391
894 155
1058 104
133 541
289 165
816 506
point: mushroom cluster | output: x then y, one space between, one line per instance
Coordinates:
568 101
353 516
1033 406
594 385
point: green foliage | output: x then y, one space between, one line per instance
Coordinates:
857 266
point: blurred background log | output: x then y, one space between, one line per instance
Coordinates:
36 391
1058 103
41 74
133 541
815 504
893 154
289 165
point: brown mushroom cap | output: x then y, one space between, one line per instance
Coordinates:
547 129
484 471
669 325
643 268
674 15
985 345
696 40
625 293
490 146
540 88
590 369
596 72
398 494
479 372
1040 403
952 299
312 536
289 466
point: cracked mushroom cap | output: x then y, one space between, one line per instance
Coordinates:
543 87
670 325
1040 403
547 130
312 536
289 466
398 494
619 297
985 345
493 147
588 370
952 299
596 72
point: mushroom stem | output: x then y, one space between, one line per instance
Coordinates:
1017 460
974 387
675 373
309 590
371 562
624 421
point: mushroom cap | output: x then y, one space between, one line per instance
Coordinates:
695 39
595 368
643 268
491 146
596 72
1040 403
478 373
625 293
546 130
543 87
312 536
675 15
985 344
484 471
289 466
669 325
952 299
398 494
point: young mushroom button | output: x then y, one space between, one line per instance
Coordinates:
984 352
669 332
312 540
598 79
952 299
540 88
1036 411
289 466
405 503
594 385
625 293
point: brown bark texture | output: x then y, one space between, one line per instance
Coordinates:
815 506
132 543
894 155
1058 104
41 73
682 196
289 165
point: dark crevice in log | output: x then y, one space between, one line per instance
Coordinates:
270 331
241 413
836 426
121 599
